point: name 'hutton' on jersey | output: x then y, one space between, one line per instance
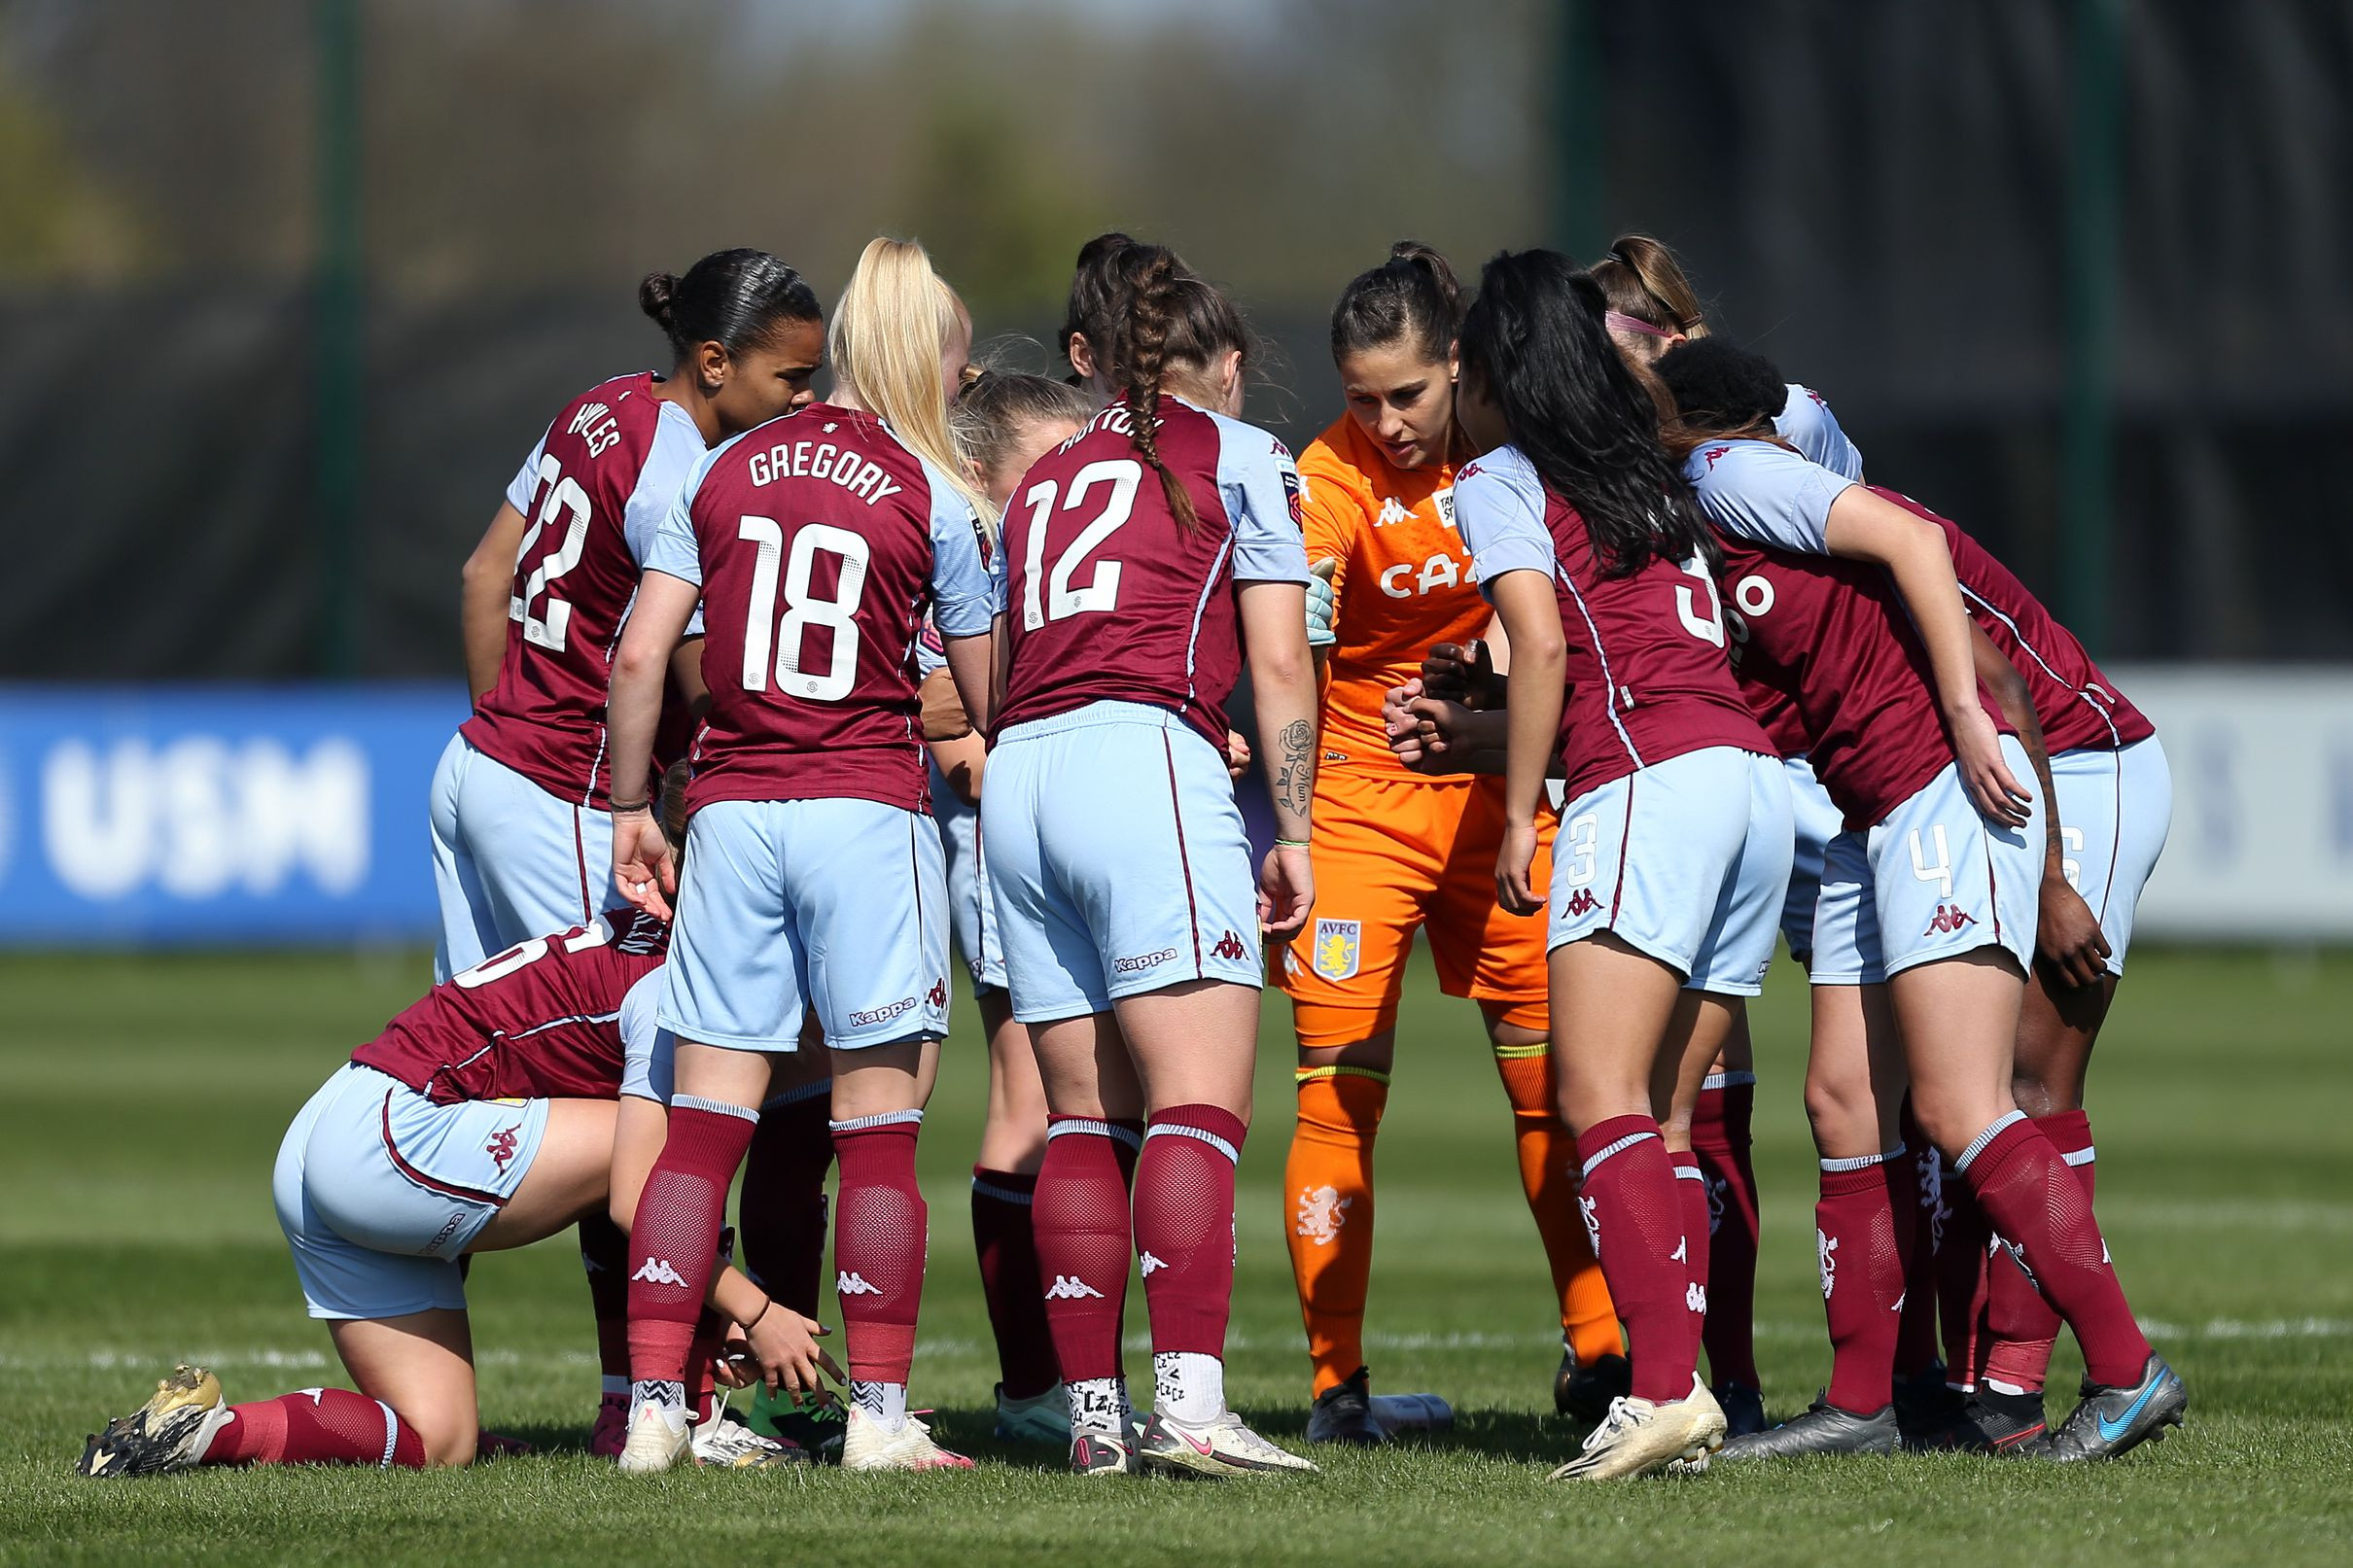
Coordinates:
820 541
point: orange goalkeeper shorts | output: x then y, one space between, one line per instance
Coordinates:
1394 856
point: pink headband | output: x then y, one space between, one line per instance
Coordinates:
1620 322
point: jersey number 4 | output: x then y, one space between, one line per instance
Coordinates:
786 636
547 627
1049 596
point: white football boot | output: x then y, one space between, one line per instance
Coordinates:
1221 1448
1639 1438
725 1442
865 1445
654 1444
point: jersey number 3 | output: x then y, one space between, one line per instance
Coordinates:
1059 600
837 613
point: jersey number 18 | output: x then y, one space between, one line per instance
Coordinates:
765 631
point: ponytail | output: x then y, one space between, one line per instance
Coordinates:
1412 295
1641 278
1161 316
893 321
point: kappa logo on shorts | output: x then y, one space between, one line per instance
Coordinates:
1582 902
1143 961
1229 946
939 997
883 1015
449 1228
502 1146
1339 948
1948 918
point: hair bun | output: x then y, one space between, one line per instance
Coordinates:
654 295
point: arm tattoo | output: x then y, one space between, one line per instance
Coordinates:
1295 780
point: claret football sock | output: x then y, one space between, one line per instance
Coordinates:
674 1245
780 1213
1862 1254
1184 1227
1079 1216
2021 1327
1916 1193
1960 1280
316 1426
1548 1163
1007 1249
1691 1191
605 1259
2042 1209
1329 1210
878 1247
1634 1216
1720 1135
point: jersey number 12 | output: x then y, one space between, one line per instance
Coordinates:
1059 600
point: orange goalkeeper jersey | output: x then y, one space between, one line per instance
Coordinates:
1403 582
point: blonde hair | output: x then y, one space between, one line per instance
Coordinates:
893 321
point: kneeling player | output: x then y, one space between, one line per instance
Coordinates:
482 1118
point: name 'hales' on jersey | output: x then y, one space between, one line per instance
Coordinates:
1110 598
593 493
820 541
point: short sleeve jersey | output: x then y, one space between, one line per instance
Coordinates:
820 542
1108 599
592 493
2078 707
1402 580
1807 423
1648 679
1829 638
540 1021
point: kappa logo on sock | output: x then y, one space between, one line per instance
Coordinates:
1828 1246
1071 1288
1682 1251
1582 902
502 1146
1695 1298
657 1271
850 1283
1230 946
1152 1263
1948 918
1321 1213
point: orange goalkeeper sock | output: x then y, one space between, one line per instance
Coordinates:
1328 1181
1548 1175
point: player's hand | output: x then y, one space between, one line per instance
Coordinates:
1286 890
736 1367
1237 754
1323 605
784 1346
1462 673
943 711
644 869
2067 937
1986 773
1514 860
1402 725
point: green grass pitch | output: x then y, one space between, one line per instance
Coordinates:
141 1100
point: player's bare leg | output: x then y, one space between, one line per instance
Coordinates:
881 1231
1193 1045
1612 1010
1030 1401
1084 1228
1959 1018
674 1242
1854 1086
2058 1026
